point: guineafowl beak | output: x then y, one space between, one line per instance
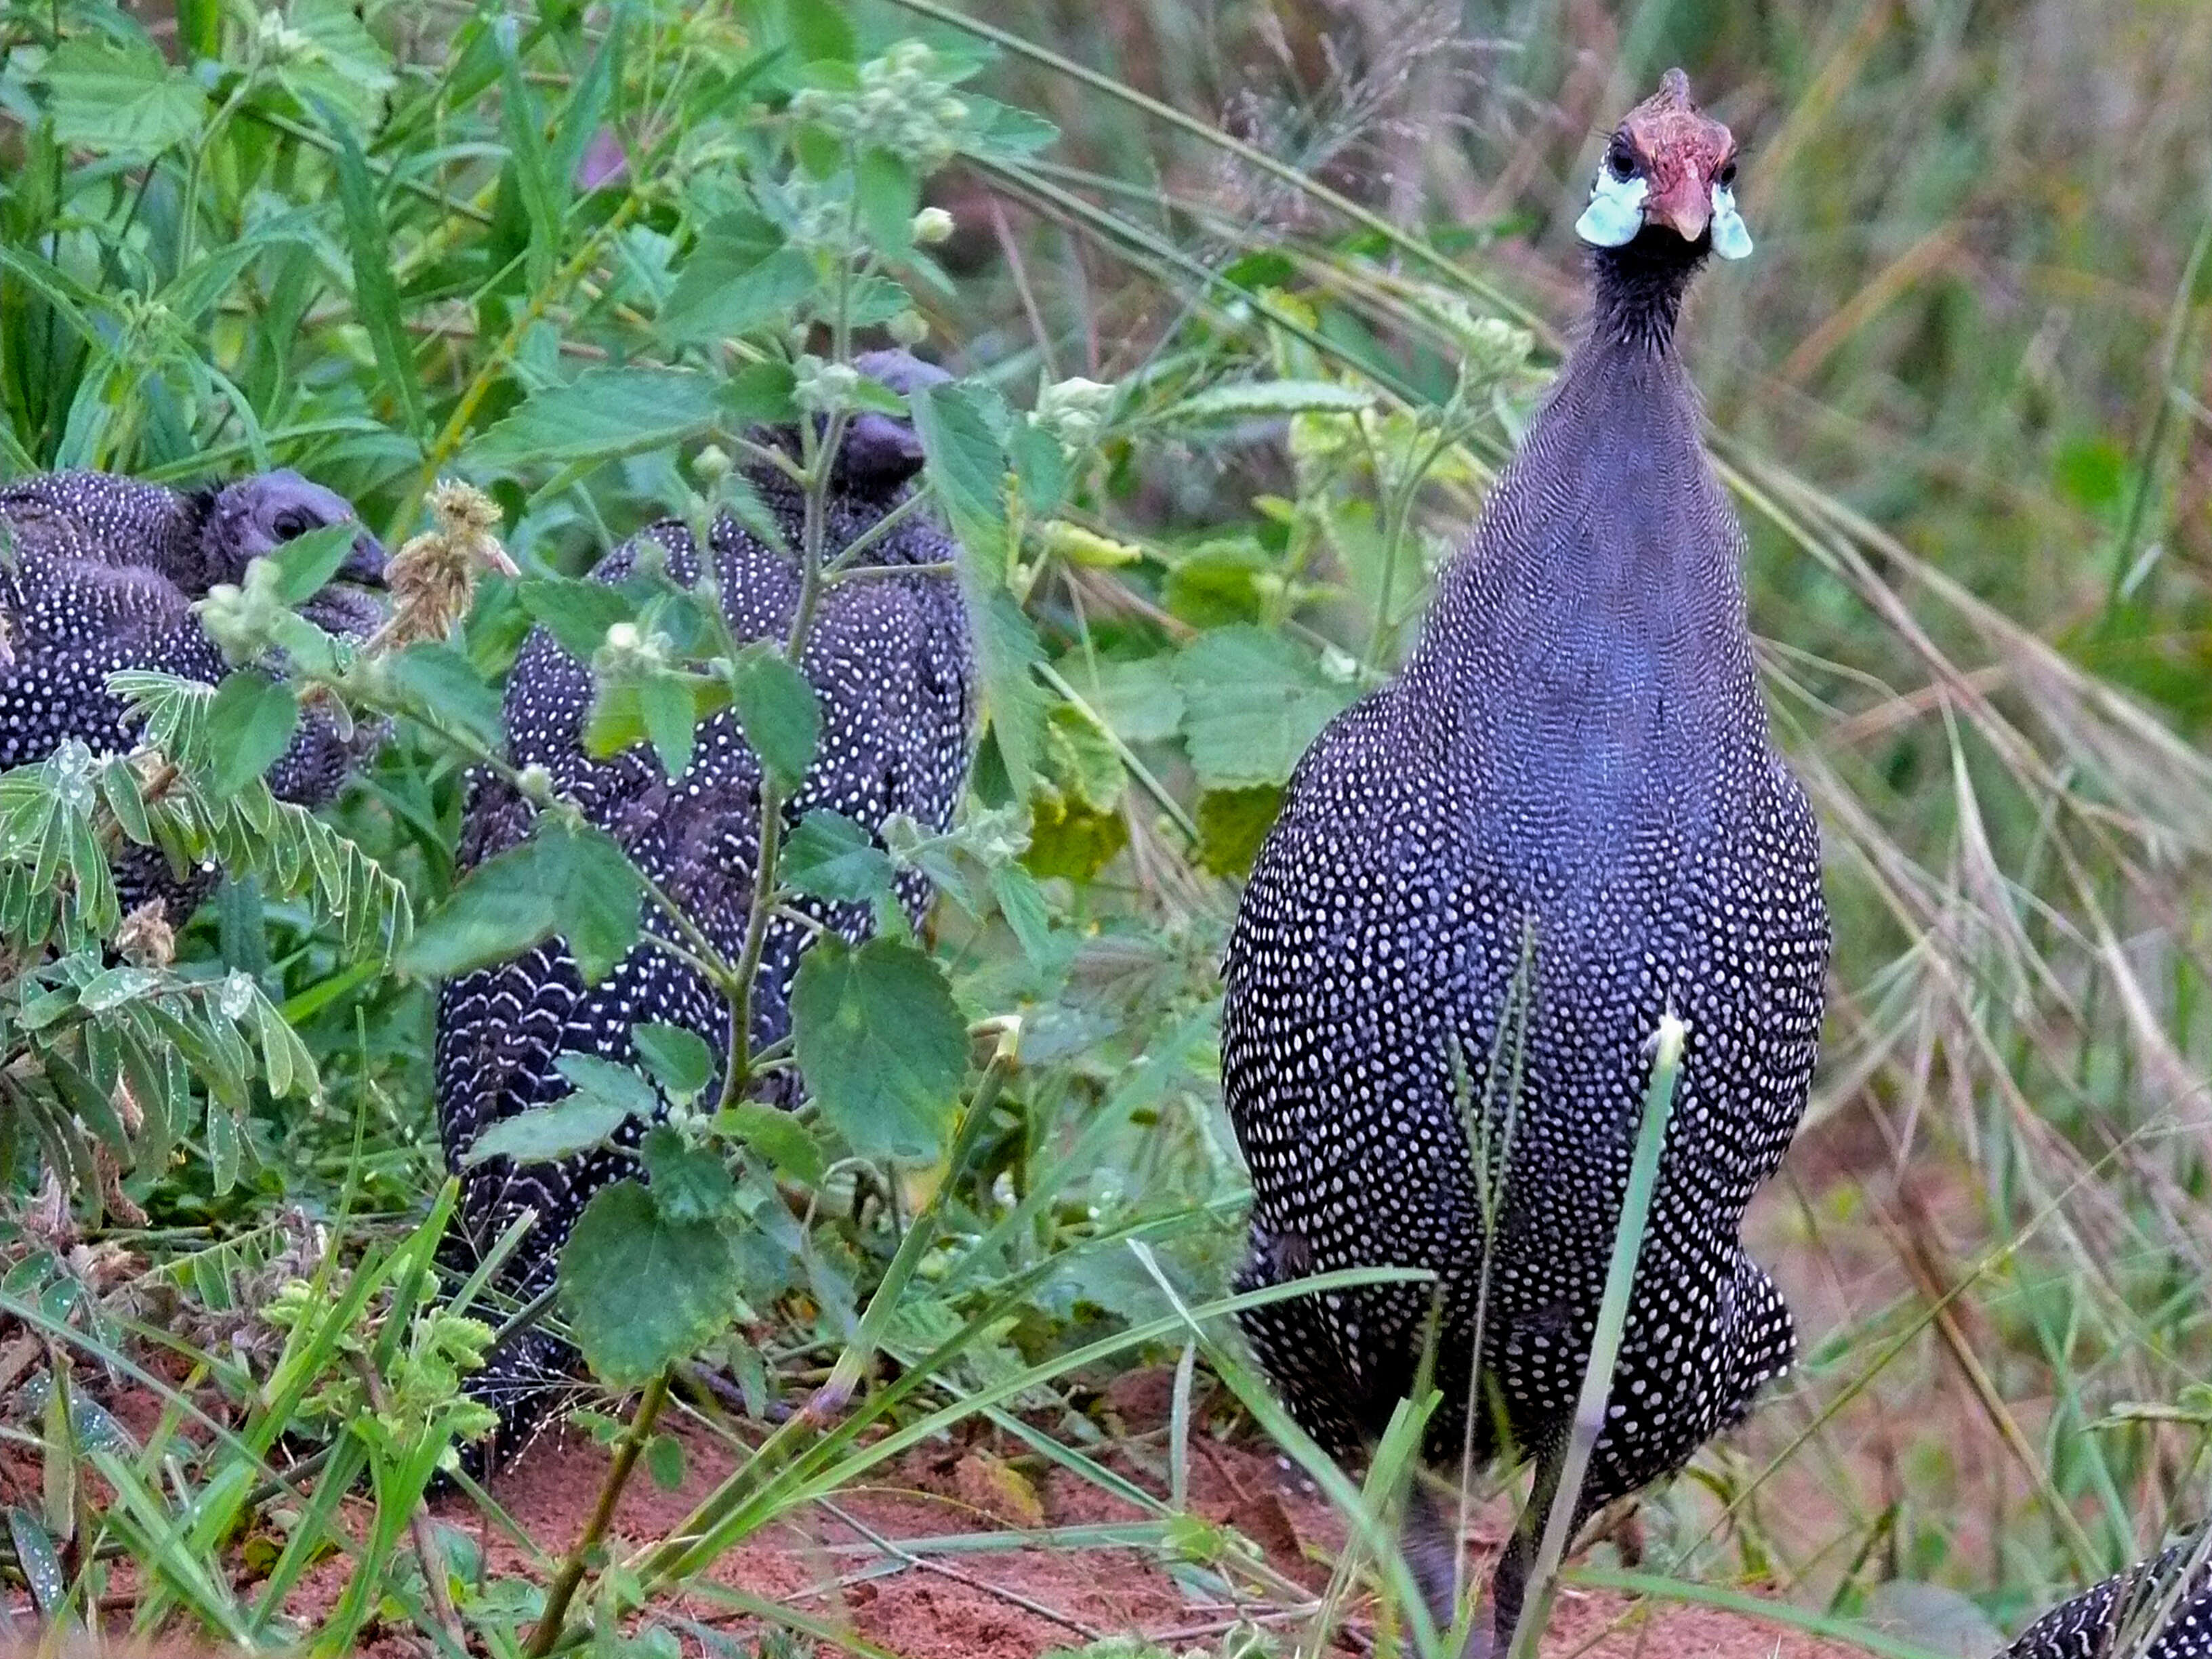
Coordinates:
1684 205
365 565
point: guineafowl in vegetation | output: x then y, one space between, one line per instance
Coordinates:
888 657
1491 879
2087 1627
99 574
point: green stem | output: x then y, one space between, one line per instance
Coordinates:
563 1588
1605 1342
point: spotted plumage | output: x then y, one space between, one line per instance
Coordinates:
890 661
1563 820
99 574
2084 1628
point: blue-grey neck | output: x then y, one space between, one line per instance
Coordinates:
1589 641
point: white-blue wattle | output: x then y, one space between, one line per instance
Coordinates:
1730 240
1615 212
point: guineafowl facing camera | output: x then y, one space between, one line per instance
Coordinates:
1563 820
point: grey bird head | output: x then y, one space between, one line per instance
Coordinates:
255 516
881 452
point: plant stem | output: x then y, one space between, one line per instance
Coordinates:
1605 1342
563 1588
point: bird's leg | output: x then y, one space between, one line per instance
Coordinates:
1430 1545
1508 1583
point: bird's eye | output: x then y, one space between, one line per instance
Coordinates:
290 523
1619 160
1726 178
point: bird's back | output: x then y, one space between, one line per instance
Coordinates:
890 663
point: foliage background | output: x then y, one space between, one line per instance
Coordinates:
1961 392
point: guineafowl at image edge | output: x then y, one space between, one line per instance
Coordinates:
891 661
2084 1628
1574 759
99 574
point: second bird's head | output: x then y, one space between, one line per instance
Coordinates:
1668 171
253 518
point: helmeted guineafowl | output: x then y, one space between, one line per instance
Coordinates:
890 660
99 572
1573 760
2084 1628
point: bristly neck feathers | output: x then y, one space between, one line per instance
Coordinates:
1639 286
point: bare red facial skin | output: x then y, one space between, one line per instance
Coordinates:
1683 149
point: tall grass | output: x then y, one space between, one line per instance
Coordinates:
1961 396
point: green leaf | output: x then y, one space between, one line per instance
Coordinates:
666 709
249 724
1000 130
968 470
687 1183
1265 400
681 1059
602 414
664 1461
546 1135
447 686
740 278
119 97
820 31
595 1078
832 857
623 1245
306 563
577 613
573 881
1139 700
376 290
887 192
1254 703
777 1136
1232 825
778 710
1082 759
881 1043
760 393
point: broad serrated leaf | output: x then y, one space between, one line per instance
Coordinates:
119 97
777 1136
680 1060
832 857
666 711
577 613
595 1078
573 881
738 281
1139 700
881 1044
968 471
602 414
306 563
249 724
622 1246
450 692
886 194
819 31
687 1182
1253 702
546 1135
778 710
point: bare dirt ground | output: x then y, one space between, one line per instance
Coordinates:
842 1564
